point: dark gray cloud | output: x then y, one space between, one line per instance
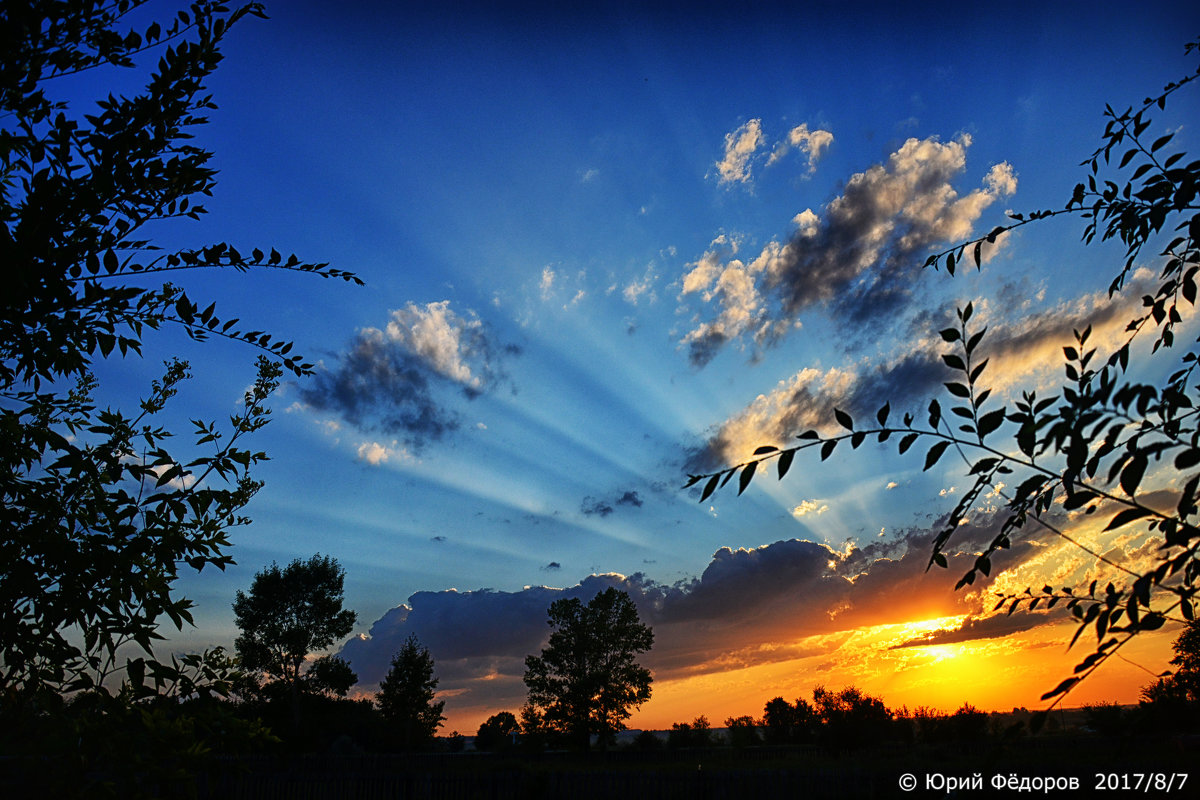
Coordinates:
745 598
591 506
982 628
399 380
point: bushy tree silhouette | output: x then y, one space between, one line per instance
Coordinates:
497 732
289 613
587 679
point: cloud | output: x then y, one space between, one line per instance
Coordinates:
812 143
375 453
858 258
748 606
591 506
809 507
396 379
1019 352
740 146
974 627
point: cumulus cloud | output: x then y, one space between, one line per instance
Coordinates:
858 257
396 379
740 147
812 143
748 606
1021 353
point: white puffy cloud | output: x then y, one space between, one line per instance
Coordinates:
807 507
812 143
740 147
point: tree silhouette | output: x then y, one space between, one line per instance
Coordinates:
406 695
97 517
586 681
850 718
1087 449
497 732
289 613
786 723
1171 702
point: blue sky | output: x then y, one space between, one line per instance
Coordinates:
609 245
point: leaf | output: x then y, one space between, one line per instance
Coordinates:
951 335
785 462
1160 141
958 390
1131 476
746 476
935 453
766 448
843 419
974 342
1127 516
1188 458
1062 688
827 448
710 487
954 362
907 442
882 415
990 422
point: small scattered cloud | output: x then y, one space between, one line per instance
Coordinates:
891 485
809 507
376 453
740 147
603 507
812 144
552 566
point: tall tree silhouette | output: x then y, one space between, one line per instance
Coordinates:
406 695
587 678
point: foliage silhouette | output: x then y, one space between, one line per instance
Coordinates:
497 732
289 613
98 518
850 718
695 734
1173 700
1089 448
743 731
586 680
406 695
788 723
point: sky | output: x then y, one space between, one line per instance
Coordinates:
608 246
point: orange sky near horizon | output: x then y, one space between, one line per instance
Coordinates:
996 674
